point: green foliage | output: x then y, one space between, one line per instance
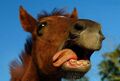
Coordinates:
110 66
84 79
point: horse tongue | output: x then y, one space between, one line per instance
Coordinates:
67 59
63 56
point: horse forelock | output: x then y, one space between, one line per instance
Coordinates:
55 12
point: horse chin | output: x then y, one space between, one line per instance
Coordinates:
75 69
72 75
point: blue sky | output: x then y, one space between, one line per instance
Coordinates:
12 36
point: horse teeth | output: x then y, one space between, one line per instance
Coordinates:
85 62
79 63
73 61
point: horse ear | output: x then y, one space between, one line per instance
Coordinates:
27 21
74 14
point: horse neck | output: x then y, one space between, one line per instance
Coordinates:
32 73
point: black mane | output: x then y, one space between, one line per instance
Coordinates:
28 46
55 12
17 66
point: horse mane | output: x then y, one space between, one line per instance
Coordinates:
28 45
18 67
55 12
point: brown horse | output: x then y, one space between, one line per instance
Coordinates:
60 46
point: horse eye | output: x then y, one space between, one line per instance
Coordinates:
79 27
40 28
42 24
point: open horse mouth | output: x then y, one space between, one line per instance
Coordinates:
74 59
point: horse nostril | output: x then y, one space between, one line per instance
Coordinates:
103 37
79 27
